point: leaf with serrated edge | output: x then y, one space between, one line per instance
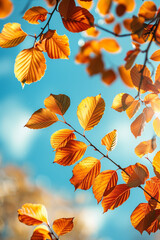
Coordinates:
122 101
62 226
137 125
34 14
110 140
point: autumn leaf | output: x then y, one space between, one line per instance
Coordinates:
116 198
127 24
152 187
51 3
32 214
42 118
35 14
117 29
85 4
104 6
85 172
143 216
108 76
60 138
156 126
62 226
71 153
90 111
56 46
41 233
6 8
156 164
120 9
104 184
137 125
96 65
122 101
150 97
29 66
130 5
130 57
11 35
155 56
109 18
125 76
92 32
156 105
110 140
133 108
145 147
57 103
110 45
148 10
149 113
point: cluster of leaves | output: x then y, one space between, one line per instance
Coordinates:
36 214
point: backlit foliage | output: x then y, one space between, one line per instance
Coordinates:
143 106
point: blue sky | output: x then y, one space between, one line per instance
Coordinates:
31 148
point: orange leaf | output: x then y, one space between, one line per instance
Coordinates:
145 147
92 32
104 6
34 14
32 214
95 66
127 24
133 108
109 19
110 45
156 105
104 183
130 57
6 8
57 103
85 4
156 164
42 118
157 76
108 76
149 113
117 28
147 10
143 216
110 140
62 226
116 198
41 233
29 66
152 187
51 3
71 153
137 125
11 35
138 174
155 56
149 98
60 138
90 111
85 172
122 101
156 126
125 76
75 19
56 46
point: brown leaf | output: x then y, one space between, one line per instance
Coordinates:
137 125
62 226
156 164
108 76
147 10
95 66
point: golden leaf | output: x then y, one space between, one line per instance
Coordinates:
11 35
122 101
34 14
32 214
92 32
104 6
85 172
156 164
133 108
137 125
145 147
41 233
110 140
149 113
117 29
6 8
156 126
85 4
110 45
147 10
125 76
41 119
90 111
62 226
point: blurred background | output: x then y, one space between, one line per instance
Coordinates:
27 172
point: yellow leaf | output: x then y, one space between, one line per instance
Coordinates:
62 226
138 174
85 172
145 147
137 125
90 111
133 108
122 101
156 126
110 45
41 119
71 153
156 164
103 6
11 35
85 4
57 103
92 32
34 14
29 66
110 140
6 8
56 46
41 233
104 183
60 138
33 214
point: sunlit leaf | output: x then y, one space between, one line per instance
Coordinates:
156 126
104 6
116 198
143 216
138 174
85 4
122 101
137 125
125 76
6 8
30 66
147 10
130 57
110 45
152 187
145 147
92 32
149 113
41 233
85 172
90 111
150 97
133 108
96 65
56 46
41 119
60 138
72 152
11 35
155 56
110 140
157 75
156 164
62 226
108 76
32 214
35 14
104 184
57 103
156 105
